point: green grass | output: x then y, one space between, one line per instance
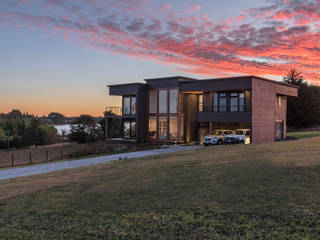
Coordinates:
267 191
307 134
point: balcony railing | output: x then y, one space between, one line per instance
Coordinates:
226 108
117 111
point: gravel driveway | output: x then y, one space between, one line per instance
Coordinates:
56 166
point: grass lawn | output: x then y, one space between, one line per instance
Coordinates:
267 191
300 135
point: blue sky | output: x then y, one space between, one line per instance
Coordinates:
47 64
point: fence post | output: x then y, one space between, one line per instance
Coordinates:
12 164
30 156
46 155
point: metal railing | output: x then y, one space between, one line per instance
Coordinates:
225 108
117 111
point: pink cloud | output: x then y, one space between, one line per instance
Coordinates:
238 45
193 9
283 15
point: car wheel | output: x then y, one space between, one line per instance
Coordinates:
206 144
242 142
219 142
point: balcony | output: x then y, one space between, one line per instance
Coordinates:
114 111
225 108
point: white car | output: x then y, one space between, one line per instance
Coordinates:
240 136
217 138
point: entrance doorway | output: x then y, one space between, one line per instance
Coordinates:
279 131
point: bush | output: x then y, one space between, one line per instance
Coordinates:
85 130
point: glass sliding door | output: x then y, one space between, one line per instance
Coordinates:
173 128
133 130
165 109
129 129
163 128
153 132
126 129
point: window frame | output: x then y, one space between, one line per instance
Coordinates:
130 108
179 113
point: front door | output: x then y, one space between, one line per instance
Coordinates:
279 130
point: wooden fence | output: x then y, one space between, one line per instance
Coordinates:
35 155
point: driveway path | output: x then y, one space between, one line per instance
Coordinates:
56 166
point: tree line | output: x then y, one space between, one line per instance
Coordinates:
304 110
21 130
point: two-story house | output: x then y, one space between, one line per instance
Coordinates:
180 109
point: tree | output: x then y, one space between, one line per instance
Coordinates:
3 138
84 129
303 111
57 118
46 135
15 114
294 77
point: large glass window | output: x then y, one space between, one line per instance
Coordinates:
126 129
215 102
129 129
173 101
234 102
173 128
222 102
163 128
241 102
152 132
133 105
153 101
133 129
200 103
163 101
182 104
126 105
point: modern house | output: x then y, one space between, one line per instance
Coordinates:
181 109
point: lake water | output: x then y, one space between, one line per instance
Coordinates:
60 128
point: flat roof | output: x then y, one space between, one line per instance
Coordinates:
208 79
251 76
172 77
126 84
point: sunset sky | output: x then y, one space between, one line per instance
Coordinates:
59 55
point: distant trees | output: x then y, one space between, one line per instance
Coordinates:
303 111
25 130
85 130
57 118
3 138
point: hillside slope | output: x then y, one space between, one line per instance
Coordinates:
267 191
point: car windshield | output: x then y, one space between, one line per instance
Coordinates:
239 132
228 132
218 132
